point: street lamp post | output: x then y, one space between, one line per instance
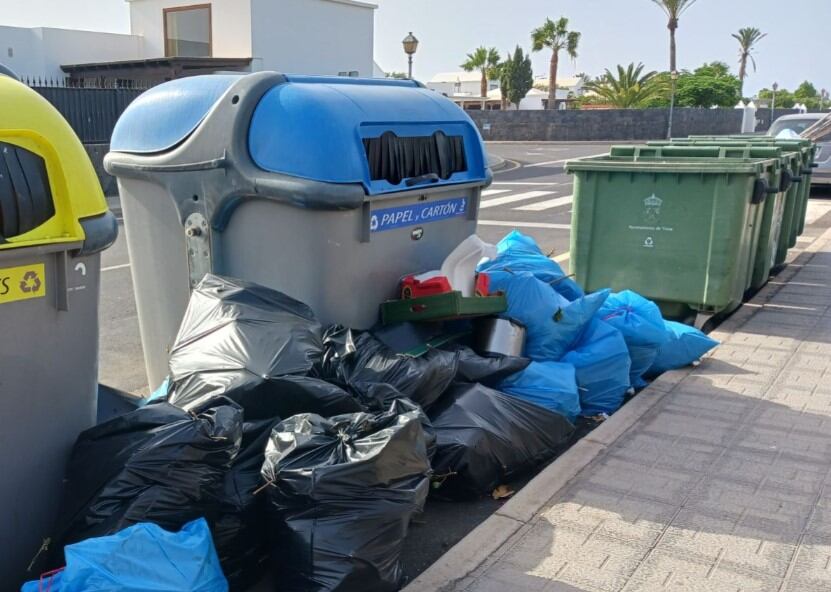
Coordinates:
410 44
773 103
674 77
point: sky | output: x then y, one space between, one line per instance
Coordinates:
798 45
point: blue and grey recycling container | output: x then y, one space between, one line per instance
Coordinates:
327 189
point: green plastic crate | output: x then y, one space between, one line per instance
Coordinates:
441 307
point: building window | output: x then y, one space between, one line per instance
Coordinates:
187 31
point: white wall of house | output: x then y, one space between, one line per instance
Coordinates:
296 36
230 25
39 52
460 83
533 100
70 46
20 50
313 36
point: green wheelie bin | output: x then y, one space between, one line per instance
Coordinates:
679 229
780 213
808 150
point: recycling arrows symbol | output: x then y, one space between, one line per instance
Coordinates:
30 282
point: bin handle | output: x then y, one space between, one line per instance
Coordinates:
214 163
422 179
648 152
761 189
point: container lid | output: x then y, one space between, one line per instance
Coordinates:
679 159
48 186
389 135
163 116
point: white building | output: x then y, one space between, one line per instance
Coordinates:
172 38
534 100
39 52
567 87
460 84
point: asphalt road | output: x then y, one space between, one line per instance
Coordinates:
533 194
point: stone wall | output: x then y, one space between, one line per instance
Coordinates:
600 125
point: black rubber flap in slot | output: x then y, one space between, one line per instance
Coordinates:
393 158
25 196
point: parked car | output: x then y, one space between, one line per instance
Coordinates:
798 124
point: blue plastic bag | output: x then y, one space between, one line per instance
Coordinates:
601 360
553 324
640 322
548 384
518 252
685 345
139 558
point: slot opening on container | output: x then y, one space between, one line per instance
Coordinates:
393 158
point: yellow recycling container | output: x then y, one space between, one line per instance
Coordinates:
54 223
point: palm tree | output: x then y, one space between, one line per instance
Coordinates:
673 9
747 38
486 60
631 88
556 37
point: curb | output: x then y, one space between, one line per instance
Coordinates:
483 541
496 162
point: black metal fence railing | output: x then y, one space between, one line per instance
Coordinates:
91 110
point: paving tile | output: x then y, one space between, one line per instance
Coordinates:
632 519
598 563
813 565
664 571
651 483
505 577
661 450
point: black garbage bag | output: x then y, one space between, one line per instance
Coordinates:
485 438
156 464
255 346
341 494
487 370
359 361
239 529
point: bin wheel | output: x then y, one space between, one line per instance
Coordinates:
701 319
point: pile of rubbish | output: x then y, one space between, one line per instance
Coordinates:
279 445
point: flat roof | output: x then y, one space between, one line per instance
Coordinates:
193 63
352 2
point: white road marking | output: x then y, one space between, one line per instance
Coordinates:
816 211
548 162
548 204
500 201
114 267
494 192
529 183
520 224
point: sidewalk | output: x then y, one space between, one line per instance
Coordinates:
712 479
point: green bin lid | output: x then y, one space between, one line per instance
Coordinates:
682 159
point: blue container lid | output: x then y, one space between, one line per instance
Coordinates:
163 116
318 128
314 127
